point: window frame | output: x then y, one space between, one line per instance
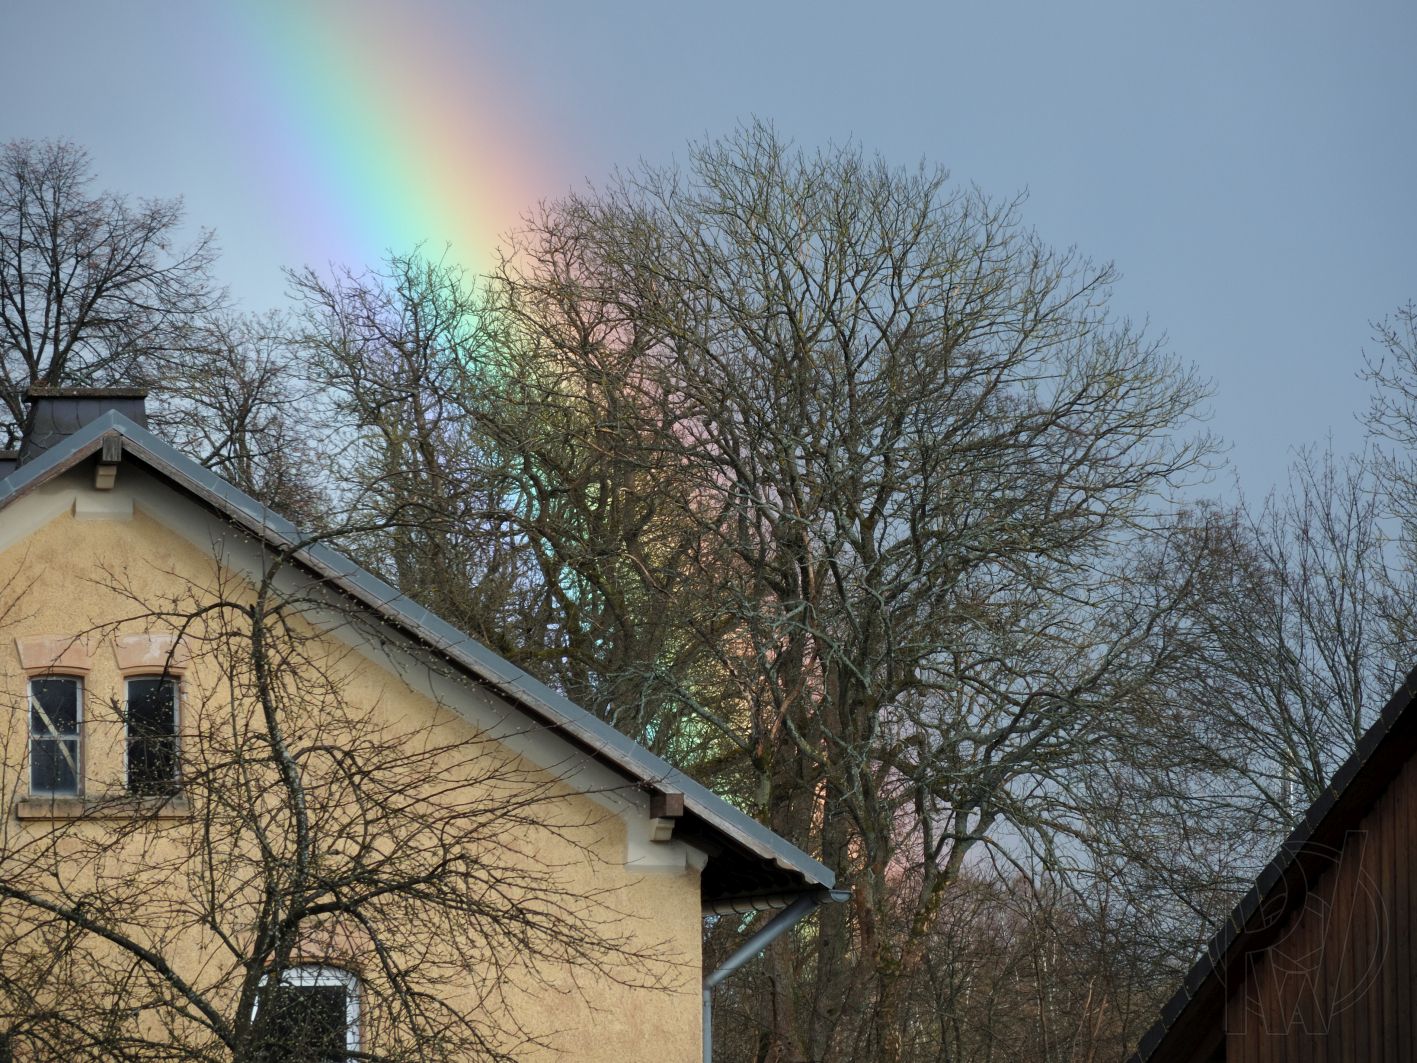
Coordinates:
176 683
54 736
320 974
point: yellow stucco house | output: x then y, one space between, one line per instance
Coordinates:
255 804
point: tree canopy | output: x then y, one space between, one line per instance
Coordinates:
834 483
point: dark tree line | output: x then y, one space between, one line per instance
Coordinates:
835 484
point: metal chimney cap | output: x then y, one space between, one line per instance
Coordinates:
36 392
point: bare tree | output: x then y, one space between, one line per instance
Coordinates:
1309 631
513 458
841 488
396 352
924 464
93 289
1392 423
239 401
834 483
299 821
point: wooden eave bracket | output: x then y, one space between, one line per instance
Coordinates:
666 807
106 471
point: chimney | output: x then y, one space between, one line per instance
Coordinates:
56 413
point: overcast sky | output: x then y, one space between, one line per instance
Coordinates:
1248 166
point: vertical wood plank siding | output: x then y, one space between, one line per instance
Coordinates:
1336 986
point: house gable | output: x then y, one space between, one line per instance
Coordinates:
65 572
748 865
99 524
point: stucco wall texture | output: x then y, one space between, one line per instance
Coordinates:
83 566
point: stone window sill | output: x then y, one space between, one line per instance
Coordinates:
114 806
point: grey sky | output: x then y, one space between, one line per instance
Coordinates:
1248 166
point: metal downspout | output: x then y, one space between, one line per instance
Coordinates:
780 924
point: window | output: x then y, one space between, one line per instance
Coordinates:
54 735
152 735
314 1016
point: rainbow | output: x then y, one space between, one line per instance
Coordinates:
380 134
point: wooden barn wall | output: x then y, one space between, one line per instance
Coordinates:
1337 984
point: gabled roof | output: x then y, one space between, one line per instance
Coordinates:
746 859
1196 1011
